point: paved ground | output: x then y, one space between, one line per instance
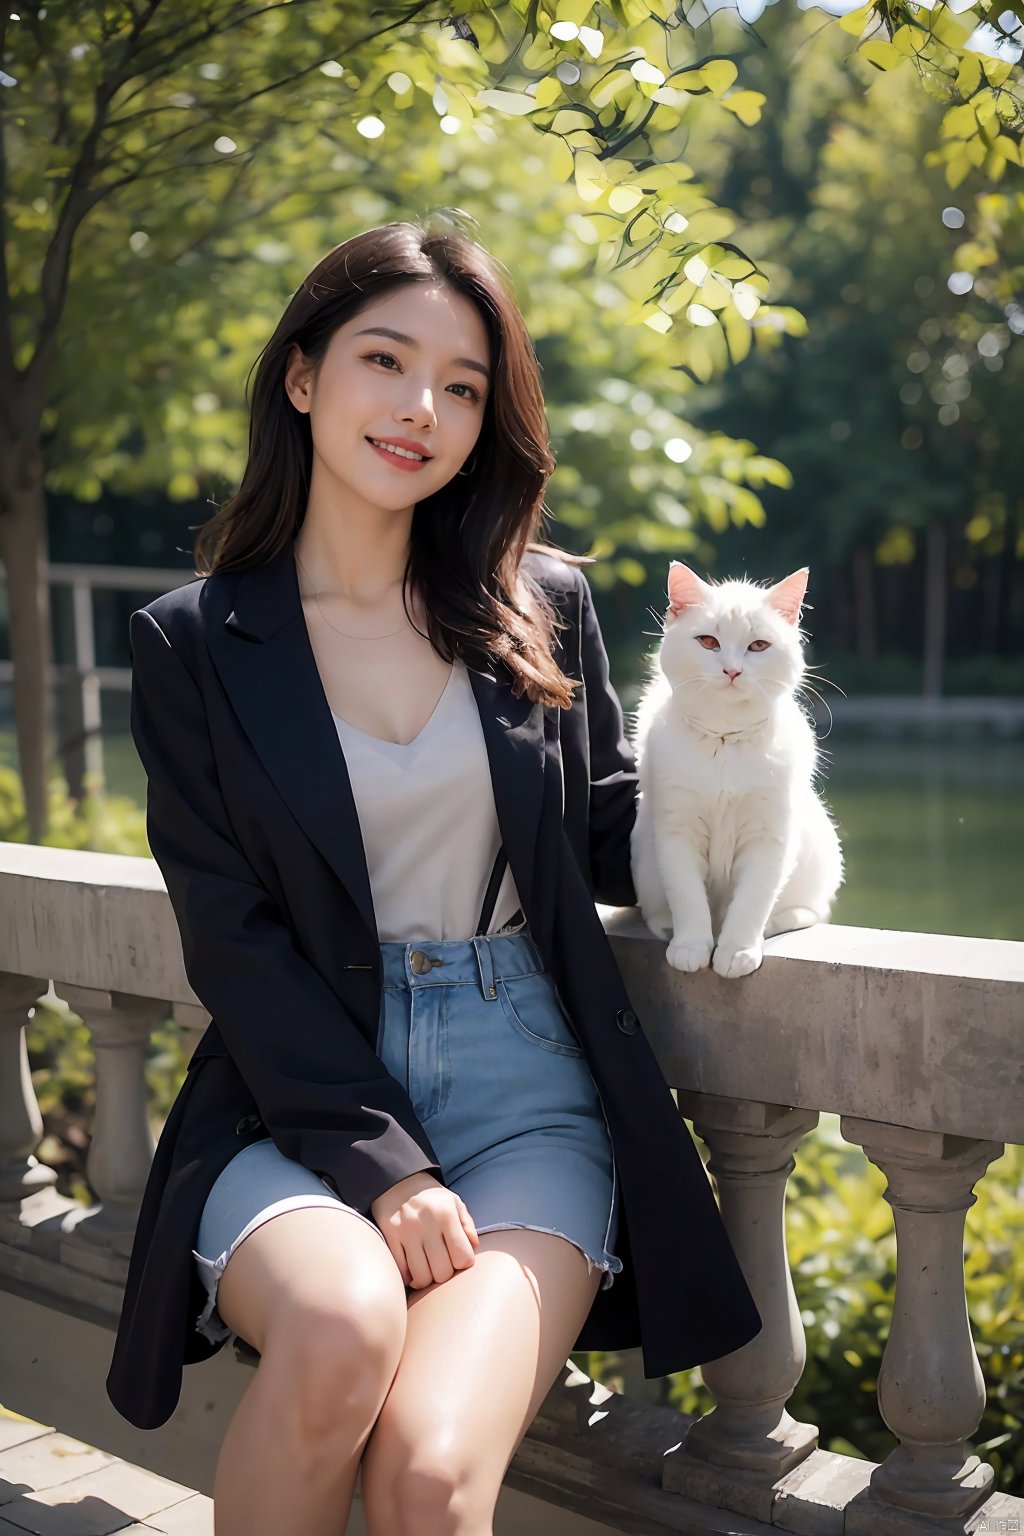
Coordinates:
52 1485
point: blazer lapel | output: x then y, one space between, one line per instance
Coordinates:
265 661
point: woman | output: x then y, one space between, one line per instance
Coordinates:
424 1150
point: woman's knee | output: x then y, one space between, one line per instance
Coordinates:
335 1358
435 1490
322 1300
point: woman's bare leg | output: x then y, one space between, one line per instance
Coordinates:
482 1351
322 1299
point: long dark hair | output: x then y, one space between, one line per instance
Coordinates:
467 539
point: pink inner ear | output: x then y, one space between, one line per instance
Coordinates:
787 595
685 587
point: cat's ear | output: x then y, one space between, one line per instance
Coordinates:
685 587
787 595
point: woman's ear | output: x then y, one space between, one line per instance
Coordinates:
298 379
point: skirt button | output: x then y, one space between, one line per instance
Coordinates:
420 962
627 1021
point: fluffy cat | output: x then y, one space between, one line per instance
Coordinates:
732 843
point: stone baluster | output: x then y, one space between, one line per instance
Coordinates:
21 1124
751 1146
122 1143
931 1392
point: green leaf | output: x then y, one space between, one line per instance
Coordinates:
968 76
883 54
746 105
959 123
719 74
856 21
958 168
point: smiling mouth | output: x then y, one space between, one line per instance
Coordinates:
398 454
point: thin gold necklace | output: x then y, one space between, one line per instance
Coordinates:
345 632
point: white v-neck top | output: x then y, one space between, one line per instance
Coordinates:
429 826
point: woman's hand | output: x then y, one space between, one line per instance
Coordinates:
428 1229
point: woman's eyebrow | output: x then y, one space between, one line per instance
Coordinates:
410 341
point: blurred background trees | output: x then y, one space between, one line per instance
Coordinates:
724 222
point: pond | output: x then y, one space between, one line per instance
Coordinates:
932 832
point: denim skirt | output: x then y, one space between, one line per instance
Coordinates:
481 1041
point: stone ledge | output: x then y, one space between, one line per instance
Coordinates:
827 1495
905 1029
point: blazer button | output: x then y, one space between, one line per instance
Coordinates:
627 1021
247 1123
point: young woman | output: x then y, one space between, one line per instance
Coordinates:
424 1150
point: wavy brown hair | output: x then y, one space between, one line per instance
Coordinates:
468 539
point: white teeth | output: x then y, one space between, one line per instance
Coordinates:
403 453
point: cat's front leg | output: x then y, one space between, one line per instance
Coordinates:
683 868
758 870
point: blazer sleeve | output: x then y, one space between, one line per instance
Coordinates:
322 1092
613 772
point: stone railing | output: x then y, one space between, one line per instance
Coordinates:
911 1039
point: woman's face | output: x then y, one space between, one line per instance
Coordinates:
426 390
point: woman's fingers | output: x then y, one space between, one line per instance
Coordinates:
434 1236
467 1221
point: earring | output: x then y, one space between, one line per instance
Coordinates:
471 468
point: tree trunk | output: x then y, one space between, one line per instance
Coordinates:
1007 566
24 551
934 609
865 617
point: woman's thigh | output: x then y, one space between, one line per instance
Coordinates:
311 1265
482 1351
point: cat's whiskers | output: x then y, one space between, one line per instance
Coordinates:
813 667
805 687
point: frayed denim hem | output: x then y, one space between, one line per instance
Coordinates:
612 1265
212 1328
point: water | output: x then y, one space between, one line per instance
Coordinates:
933 834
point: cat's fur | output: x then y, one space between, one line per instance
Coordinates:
732 843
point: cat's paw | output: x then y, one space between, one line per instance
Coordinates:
737 962
687 954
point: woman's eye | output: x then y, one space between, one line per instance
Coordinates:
474 394
758 645
709 642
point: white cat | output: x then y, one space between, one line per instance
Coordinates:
731 842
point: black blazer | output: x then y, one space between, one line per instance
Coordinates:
252 822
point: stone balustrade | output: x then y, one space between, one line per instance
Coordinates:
912 1040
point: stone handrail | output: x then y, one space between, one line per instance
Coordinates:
911 1039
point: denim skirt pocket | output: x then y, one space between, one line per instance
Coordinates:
532 1006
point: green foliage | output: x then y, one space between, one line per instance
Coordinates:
899 411
102 823
642 283
190 255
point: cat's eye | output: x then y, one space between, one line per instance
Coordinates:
709 642
758 645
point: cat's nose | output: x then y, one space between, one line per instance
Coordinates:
732 672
